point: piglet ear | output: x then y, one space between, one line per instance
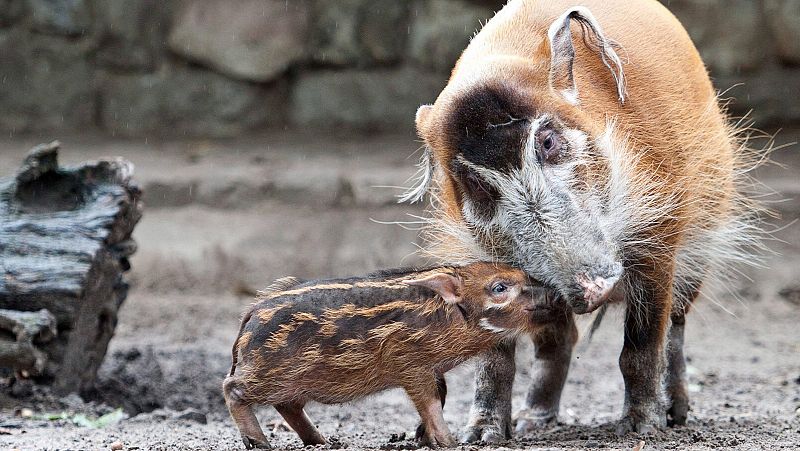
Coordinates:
446 285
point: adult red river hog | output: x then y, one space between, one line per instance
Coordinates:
584 143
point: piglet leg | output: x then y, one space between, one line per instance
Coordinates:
441 386
243 415
294 414
426 398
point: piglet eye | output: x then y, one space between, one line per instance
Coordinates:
499 287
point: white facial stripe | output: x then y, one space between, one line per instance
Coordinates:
486 325
498 306
529 153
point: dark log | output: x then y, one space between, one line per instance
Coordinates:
65 239
25 327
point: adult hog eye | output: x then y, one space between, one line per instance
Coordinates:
548 143
549 146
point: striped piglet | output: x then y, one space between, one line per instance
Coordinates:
334 341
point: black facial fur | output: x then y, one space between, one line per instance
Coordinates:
481 193
488 127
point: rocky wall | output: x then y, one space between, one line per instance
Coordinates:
224 67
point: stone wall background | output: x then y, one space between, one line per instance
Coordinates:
224 67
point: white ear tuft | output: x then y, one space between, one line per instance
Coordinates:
562 53
421 180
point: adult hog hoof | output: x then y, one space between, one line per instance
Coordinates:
489 432
530 420
251 443
628 425
678 413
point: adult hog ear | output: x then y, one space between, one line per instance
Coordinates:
562 53
421 119
446 285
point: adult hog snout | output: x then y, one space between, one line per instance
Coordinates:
596 290
573 258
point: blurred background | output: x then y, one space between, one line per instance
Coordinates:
223 67
271 137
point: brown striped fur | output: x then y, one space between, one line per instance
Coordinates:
339 340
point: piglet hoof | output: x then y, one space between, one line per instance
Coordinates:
420 434
251 443
434 440
441 441
531 420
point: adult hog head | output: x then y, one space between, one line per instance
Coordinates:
518 167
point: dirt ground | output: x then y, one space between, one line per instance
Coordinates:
224 218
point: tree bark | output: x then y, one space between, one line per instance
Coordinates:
65 239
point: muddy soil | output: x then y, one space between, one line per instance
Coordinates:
199 263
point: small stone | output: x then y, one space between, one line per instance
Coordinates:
116 446
192 415
72 401
394 438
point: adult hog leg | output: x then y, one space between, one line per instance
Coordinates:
294 414
490 414
441 387
243 416
553 344
425 394
643 358
676 373
678 407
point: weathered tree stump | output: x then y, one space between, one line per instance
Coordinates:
65 239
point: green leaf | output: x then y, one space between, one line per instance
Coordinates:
111 418
82 420
51 416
